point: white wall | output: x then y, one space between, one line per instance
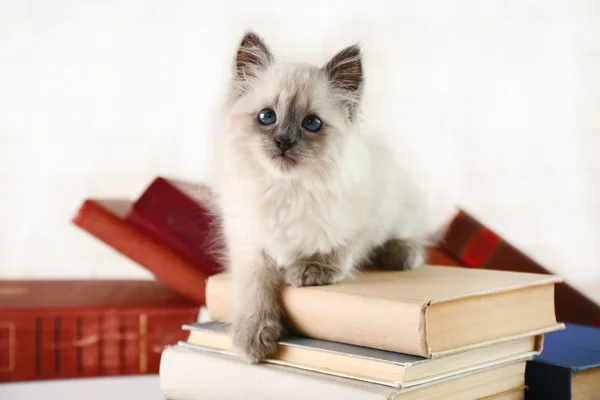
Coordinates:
494 104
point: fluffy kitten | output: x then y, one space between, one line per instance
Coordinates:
303 196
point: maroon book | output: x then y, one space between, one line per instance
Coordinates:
168 215
56 329
468 242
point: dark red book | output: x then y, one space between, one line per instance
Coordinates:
103 220
470 243
168 215
435 256
55 329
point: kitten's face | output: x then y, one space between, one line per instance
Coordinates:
293 117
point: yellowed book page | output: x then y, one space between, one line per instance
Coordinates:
586 384
480 385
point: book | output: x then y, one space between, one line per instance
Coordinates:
188 374
56 329
103 219
428 312
366 364
168 215
472 244
568 367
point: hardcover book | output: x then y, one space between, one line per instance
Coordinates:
56 329
428 312
569 366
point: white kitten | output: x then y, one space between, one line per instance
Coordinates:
303 196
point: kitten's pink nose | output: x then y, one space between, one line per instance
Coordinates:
284 143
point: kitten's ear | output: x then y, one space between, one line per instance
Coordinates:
253 56
345 69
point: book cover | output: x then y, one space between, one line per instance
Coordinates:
568 367
103 219
56 329
429 311
169 216
470 243
366 364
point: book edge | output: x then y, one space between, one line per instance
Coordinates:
353 385
283 341
550 280
392 384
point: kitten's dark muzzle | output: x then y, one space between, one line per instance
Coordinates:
285 143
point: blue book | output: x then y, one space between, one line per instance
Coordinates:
568 367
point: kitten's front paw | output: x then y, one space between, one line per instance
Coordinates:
400 254
310 274
255 336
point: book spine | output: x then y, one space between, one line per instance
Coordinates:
72 344
170 269
473 245
545 381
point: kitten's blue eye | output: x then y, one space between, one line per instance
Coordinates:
311 123
267 117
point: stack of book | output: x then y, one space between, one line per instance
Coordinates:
452 329
432 333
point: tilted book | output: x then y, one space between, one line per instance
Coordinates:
468 242
189 374
366 364
431 312
166 213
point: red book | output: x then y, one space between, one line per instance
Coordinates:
168 215
104 221
435 256
468 242
57 329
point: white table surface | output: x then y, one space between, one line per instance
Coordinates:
118 388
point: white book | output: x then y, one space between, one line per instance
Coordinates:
188 374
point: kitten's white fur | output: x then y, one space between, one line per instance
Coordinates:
354 196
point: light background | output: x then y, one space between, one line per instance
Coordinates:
493 105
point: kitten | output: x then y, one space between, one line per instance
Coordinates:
304 197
